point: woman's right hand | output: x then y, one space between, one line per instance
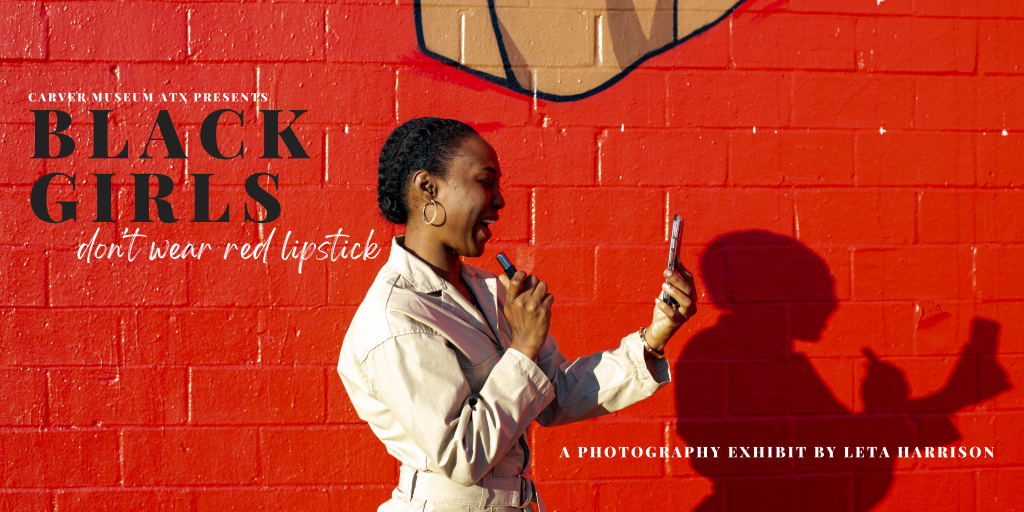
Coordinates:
528 311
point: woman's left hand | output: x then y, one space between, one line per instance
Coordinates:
679 285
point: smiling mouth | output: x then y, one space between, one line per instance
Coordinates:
486 224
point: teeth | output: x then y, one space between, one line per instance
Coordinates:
485 221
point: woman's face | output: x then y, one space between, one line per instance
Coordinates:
470 198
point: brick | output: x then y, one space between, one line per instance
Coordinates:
567 495
916 44
282 32
1003 312
823 42
162 500
999 46
46 337
867 8
662 157
117 282
352 155
601 434
912 273
708 49
993 8
339 407
256 396
19 141
173 337
263 499
726 433
790 158
683 493
996 220
162 79
25 277
815 492
386 33
567 270
891 332
26 500
25 29
997 489
220 283
362 94
21 226
427 91
1000 103
360 497
964 429
532 156
631 274
47 458
22 80
317 455
1000 160
23 400
946 216
348 280
233 173
997 278
943 328
765 274
837 216
118 396
223 196
699 389
118 31
189 456
852 101
915 158
729 98
301 336
573 326
851 431
710 213
638 99
951 103
131 137
953 491
784 387
935 384
573 214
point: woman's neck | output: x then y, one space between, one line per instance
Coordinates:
444 261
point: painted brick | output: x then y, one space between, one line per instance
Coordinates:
23 401
865 8
117 31
823 42
118 396
172 337
996 272
263 499
85 458
683 493
424 91
370 33
339 407
256 32
785 387
189 456
162 500
233 173
709 49
852 101
1003 313
352 154
599 215
725 433
999 46
636 100
996 217
316 455
1000 103
21 226
163 79
21 80
878 216
26 500
115 282
709 213
993 8
303 337
360 497
361 94
916 44
632 274
1000 160
263 396
903 158
996 489
598 434
24 274
26 31
912 273
790 158
35 337
567 495
946 216
18 139
845 334
532 156
946 102
662 157
729 98
958 491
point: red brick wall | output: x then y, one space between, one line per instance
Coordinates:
849 176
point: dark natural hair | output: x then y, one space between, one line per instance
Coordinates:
427 143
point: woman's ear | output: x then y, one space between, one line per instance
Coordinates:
424 186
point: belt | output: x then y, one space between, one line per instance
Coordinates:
516 492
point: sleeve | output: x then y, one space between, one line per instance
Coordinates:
600 383
418 378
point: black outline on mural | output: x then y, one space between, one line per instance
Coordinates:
512 84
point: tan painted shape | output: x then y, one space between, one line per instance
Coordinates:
561 47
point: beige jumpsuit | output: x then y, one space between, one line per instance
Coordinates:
452 402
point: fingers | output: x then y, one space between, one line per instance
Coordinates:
683 299
682 280
514 286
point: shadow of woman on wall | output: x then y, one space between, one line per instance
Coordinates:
740 384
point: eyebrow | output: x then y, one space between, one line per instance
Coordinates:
495 171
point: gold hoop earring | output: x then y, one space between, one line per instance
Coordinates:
431 221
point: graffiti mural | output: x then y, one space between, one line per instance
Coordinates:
557 50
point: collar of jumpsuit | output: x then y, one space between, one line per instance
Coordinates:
435 379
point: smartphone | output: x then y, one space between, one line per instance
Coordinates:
506 265
673 254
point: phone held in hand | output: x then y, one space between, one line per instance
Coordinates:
673 254
506 265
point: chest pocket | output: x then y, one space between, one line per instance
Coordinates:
475 352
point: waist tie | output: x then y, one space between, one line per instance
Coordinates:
516 492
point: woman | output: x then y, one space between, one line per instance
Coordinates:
450 365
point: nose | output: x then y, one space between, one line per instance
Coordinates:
497 200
